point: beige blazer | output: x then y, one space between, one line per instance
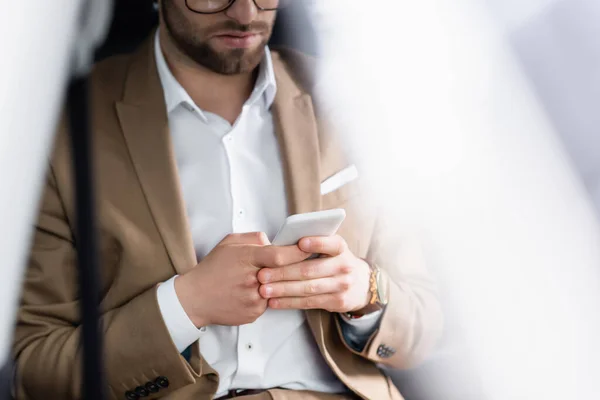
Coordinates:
145 239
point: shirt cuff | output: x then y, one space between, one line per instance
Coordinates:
182 330
363 326
356 332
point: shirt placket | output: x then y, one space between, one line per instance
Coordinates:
247 345
229 140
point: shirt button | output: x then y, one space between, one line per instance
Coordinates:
249 346
228 138
241 213
203 329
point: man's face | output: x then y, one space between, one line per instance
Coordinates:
230 42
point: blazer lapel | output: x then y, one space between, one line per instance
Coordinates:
298 137
143 117
299 142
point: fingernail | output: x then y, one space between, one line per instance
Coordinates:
267 277
268 291
306 243
274 303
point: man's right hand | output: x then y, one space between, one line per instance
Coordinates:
223 288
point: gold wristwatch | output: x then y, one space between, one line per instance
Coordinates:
378 286
378 290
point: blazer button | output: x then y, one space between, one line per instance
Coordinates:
162 382
131 396
142 391
152 387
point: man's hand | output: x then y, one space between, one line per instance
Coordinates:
223 288
337 282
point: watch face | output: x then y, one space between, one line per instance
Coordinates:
382 287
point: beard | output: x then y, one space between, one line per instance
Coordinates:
189 40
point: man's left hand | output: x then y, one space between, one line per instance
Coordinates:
336 282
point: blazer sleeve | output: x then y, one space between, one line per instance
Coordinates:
412 322
138 349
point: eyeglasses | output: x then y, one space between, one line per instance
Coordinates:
217 6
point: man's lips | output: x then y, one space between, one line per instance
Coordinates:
236 39
237 34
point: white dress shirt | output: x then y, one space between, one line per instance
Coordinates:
232 182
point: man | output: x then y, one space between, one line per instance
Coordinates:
203 137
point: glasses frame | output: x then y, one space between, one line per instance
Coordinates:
225 8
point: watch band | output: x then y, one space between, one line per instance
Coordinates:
374 284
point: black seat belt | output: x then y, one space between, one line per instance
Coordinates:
94 387
95 20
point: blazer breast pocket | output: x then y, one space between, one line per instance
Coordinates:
340 187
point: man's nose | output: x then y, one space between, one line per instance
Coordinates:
243 11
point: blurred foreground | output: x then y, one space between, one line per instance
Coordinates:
482 136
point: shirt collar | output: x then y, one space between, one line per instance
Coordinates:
265 88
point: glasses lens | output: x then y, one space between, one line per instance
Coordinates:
215 6
207 6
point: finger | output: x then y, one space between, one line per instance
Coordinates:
305 288
277 256
251 238
329 302
304 271
328 245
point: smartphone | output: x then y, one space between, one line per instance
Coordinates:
319 223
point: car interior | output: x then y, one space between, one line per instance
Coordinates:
556 63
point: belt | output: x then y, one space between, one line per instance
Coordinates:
241 393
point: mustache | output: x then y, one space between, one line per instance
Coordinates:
257 26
